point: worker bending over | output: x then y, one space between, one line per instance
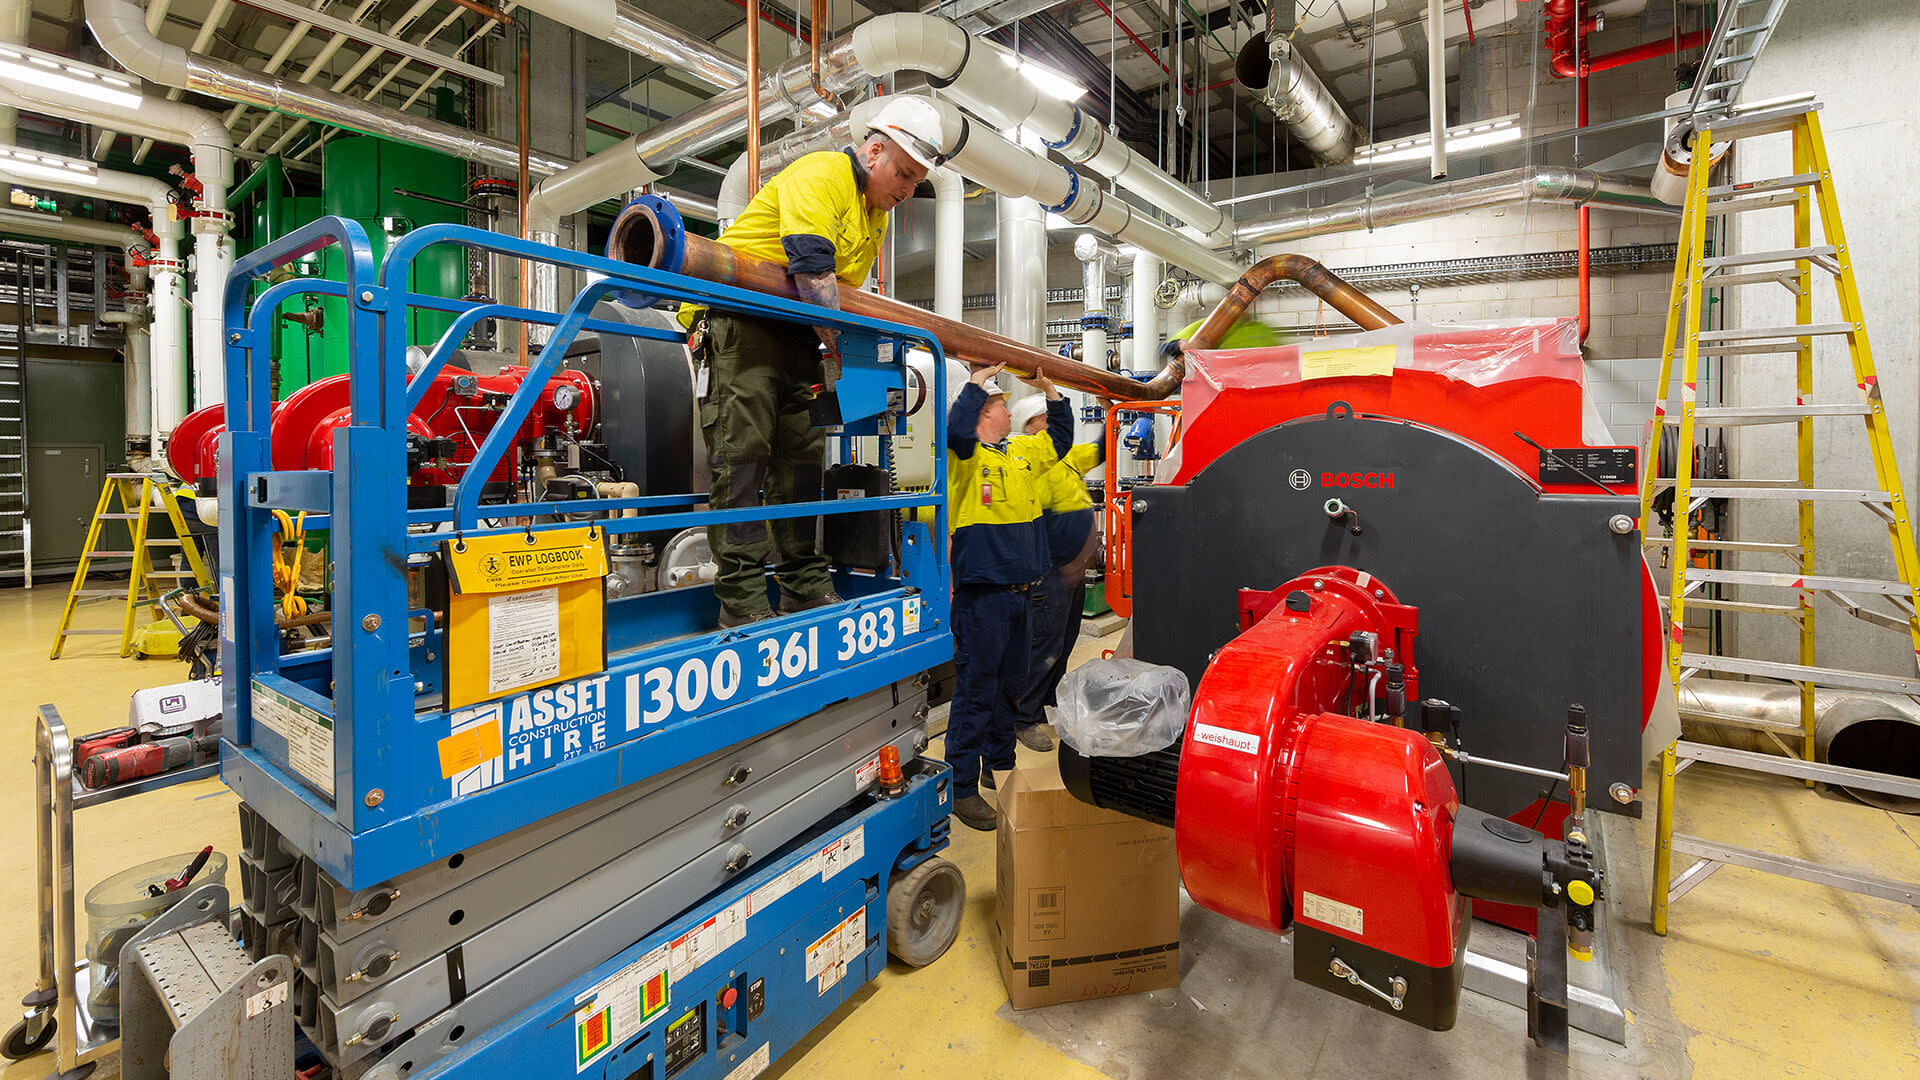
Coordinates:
1247 333
1059 600
999 552
824 217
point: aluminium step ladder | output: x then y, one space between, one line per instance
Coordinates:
16 529
142 497
1808 191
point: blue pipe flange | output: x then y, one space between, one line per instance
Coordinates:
641 222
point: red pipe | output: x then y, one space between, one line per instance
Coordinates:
1466 8
1645 51
1586 225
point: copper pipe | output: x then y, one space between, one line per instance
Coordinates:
1316 279
816 26
635 239
526 182
482 9
753 96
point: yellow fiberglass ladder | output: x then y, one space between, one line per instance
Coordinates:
141 497
1695 564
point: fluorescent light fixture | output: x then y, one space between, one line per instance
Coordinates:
1051 82
64 170
1461 138
31 67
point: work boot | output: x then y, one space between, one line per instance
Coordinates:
730 618
790 603
1033 737
986 780
975 813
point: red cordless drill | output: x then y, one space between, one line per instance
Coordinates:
108 767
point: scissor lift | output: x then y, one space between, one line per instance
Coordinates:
670 866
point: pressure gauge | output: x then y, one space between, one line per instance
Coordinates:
565 398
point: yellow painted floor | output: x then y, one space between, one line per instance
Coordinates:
1761 976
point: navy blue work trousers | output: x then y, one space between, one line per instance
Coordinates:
1058 604
990 654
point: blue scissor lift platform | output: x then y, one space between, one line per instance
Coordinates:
672 864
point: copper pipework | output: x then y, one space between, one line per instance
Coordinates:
1312 276
753 97
816 26
635 239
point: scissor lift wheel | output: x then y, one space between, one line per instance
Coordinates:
923 911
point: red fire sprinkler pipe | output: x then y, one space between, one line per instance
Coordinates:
1563 43
1586 224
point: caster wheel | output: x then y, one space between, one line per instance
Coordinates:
24 1041
923 911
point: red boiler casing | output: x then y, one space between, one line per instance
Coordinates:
1291 814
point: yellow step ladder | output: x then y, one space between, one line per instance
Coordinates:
140 497
1694 583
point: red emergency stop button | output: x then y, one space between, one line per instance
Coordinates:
728 997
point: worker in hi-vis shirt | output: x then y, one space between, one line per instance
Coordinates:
1058 601
999 552
824 217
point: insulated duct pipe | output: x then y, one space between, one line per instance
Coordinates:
206 136
625 25
983 155
1020 269
1301 101
164 403
1096 261
1310 275
979 74
1855 729
122 32
949 242
735 189
1545 183
640 237
1147 269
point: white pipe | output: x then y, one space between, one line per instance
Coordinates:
1095 263
169 306
1146 315
1021 258
1437 83
949 242
1303 102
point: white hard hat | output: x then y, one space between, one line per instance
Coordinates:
1026 409
914 125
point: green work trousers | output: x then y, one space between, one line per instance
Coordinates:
763 449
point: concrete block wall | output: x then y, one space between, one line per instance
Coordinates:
1858 57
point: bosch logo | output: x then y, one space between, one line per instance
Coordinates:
1300 479
1356 480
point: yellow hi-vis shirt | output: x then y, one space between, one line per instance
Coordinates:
1065 485
813 217
994 496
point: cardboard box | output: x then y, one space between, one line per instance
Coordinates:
1089 900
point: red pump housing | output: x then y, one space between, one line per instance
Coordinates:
459 406
1292 813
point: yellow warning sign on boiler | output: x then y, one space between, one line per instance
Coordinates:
1345 363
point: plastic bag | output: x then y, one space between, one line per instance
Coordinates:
1122 708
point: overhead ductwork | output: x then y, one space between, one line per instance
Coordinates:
777 155
1293 90
121 28
980 75
985 156
1542 183
624 24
